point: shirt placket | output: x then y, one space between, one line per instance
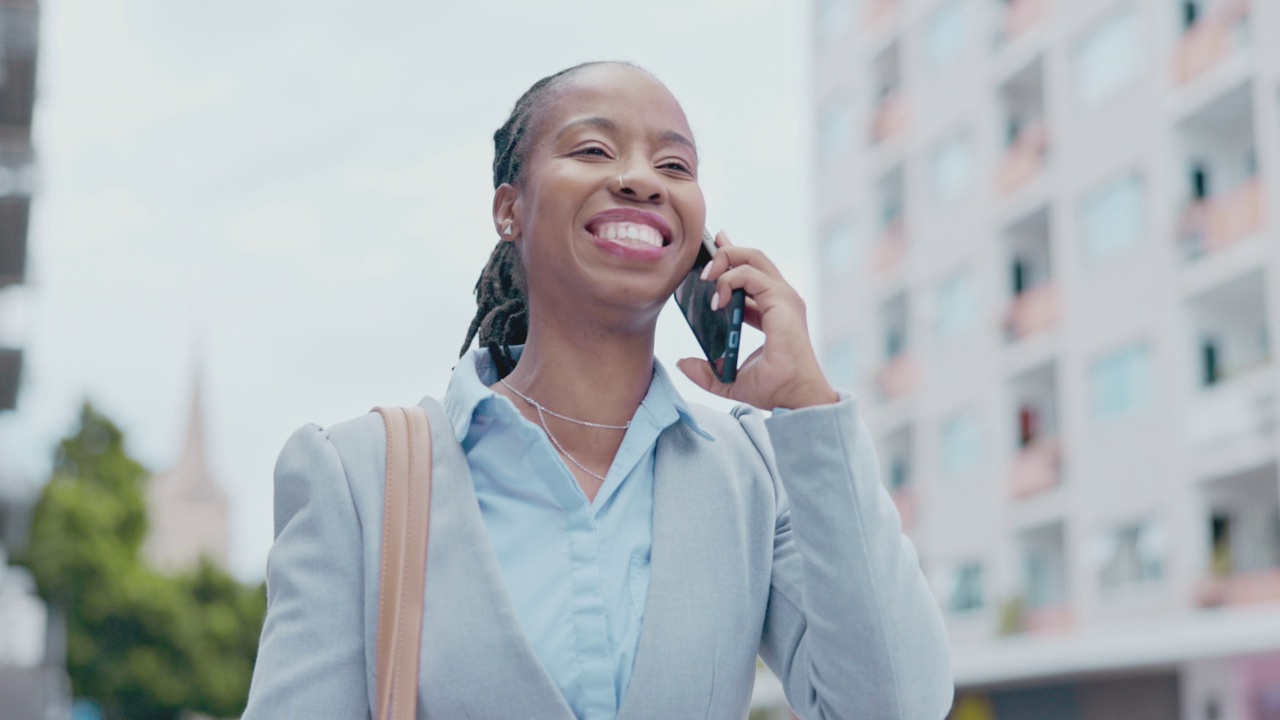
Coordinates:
588 612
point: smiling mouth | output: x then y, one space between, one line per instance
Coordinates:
630 233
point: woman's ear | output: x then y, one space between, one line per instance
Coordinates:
505 212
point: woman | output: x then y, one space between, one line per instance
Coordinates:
599 548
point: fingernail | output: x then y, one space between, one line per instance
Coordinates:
706 270
715 301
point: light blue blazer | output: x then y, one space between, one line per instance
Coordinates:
776 539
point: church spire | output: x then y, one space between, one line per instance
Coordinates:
188 508
191 473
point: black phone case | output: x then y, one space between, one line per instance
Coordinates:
737 305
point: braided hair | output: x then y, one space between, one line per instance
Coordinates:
502 309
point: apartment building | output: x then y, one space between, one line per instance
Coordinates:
33 678
1049 241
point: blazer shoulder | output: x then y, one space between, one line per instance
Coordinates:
721 424
352 453
743 427
742 437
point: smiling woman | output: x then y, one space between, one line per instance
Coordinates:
599 547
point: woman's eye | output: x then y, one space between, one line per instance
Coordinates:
676 165
596 151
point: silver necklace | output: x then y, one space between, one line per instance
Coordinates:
542 419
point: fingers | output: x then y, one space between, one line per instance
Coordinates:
751 270
762 288
751 313
729 255
703 375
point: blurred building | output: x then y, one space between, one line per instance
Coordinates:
186 507
1051 268
33 678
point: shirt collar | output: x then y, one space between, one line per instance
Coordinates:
475 372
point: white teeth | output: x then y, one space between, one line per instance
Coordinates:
630 232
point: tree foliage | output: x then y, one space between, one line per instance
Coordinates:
144 645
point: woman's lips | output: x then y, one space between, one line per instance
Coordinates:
629 248
631 233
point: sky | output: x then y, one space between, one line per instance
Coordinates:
291 200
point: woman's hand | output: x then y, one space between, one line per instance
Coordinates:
784 373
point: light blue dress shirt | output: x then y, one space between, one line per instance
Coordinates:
577 571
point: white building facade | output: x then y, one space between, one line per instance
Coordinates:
1050 262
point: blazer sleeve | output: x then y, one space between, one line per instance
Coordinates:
311 660
851 627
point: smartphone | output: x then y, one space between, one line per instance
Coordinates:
719 332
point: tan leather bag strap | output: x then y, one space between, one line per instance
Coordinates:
406 512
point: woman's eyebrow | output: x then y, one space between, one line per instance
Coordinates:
598 122
672 136
667 136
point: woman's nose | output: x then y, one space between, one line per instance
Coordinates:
639 183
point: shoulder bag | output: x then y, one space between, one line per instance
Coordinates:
402 577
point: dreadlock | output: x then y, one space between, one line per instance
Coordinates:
502 311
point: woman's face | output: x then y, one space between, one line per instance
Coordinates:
609 211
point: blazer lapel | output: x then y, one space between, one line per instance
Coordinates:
675 666
476 661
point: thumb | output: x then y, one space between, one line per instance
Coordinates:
703 375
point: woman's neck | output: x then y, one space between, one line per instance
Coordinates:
585 373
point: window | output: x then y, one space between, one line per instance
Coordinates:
1043 574
1112 217
961 443
841 364
899 472
952 168
1130 555
946 33
1109 57
15 213
1120 384
839 246
962 587
957 304
836 130
10 377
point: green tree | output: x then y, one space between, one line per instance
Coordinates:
145 646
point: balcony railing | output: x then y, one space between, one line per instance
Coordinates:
1036 469
1025 158
1243 405
1022 15
1015 617
1246 588
879 11
1211 39
889 253
890 117
1032 311
1208 226
1049 619
897 377
905 500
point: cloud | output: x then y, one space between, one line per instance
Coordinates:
276 229
776 135
740 7
105 216
117 90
